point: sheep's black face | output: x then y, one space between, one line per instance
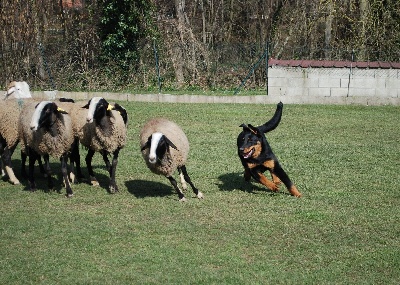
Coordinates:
98 109
45 115
159 144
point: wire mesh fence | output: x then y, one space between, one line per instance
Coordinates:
77 65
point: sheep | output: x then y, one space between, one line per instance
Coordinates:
9 138
17 93
46 130
100 127
18 90
165 148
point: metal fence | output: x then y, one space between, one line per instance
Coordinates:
71 65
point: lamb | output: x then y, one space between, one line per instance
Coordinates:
165 148
46 130
101 127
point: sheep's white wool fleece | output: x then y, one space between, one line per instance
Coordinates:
175 134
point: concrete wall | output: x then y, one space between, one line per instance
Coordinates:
335 85
291 85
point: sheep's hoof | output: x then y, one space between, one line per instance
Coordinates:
15 182
69 195
183 199
113 189
73 178
200 195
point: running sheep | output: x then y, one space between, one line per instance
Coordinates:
46 130
165 148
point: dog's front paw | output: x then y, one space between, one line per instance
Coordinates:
293 190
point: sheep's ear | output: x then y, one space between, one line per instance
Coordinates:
170 143
147 145
87 105
122 112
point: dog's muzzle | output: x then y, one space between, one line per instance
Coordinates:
248 154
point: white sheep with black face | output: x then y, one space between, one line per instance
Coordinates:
165 148
46 130
101 127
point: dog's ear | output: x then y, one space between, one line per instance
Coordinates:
254 130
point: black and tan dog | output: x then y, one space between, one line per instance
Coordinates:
257 157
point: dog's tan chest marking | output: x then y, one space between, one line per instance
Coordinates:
270 164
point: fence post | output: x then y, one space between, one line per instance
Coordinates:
157 66
46 66
350 72
266 65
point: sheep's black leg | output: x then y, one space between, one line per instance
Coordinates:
42 169
113 185
23 163
31 178
188 180
48 171
75 158
75 161
107 161
64 171
88 160
178 190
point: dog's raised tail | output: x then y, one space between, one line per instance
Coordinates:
274 121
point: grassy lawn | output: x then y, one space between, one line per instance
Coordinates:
344 230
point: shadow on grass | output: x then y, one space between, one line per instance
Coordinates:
143 188
58 184
235 181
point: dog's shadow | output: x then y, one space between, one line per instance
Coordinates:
144 188
235 181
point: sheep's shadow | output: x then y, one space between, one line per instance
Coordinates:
58 184
235 181
144 188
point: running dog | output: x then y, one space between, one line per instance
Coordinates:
256 155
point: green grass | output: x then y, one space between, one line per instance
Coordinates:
344 230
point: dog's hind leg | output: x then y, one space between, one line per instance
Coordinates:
278 170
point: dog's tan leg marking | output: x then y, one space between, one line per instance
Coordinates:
268 183
275 179
293 190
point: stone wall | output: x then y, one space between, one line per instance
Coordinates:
335 85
